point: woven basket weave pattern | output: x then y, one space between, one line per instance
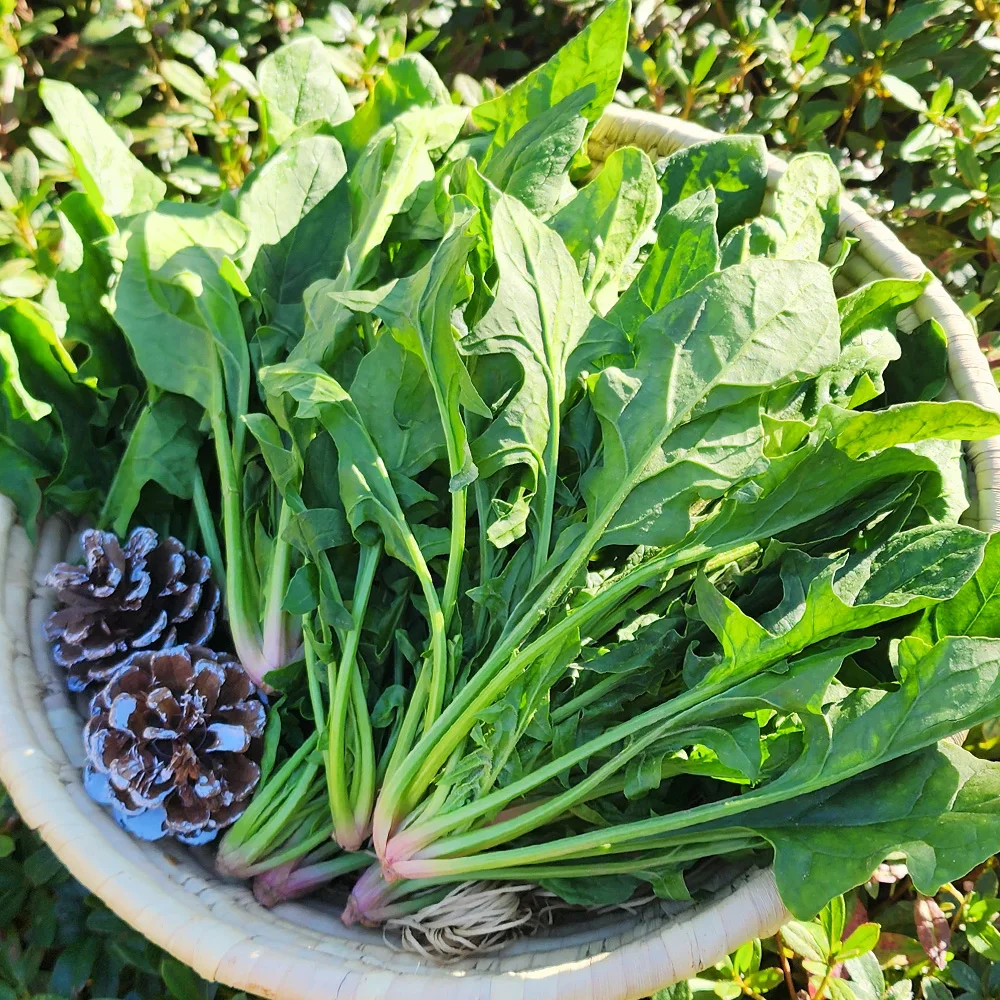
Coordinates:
300 952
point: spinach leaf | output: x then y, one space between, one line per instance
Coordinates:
114 180
735 166
858 433
177 310
875 306
539 317
759 237
686 250
594 57
932 806
754 311
407 82
163 448
298 86
396 161
39 383
824 598
76 298
532 166
397 403
418 312
701 460
298 216
807 206
974 610
20 472
606 222
921 371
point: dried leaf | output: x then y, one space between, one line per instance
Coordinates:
933 929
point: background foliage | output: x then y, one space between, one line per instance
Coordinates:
902 94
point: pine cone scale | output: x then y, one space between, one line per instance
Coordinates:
242 775
108 745
208 681
162 701
152 733
185 767
124 712
153 632
251 716
227 738
188 818
208 786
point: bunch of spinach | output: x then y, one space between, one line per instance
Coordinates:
563 510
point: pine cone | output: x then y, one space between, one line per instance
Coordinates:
174 742
146 594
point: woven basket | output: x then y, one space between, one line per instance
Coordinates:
299 952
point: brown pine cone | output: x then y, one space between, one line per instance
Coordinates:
174 742
146 594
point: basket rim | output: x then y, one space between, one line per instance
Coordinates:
219 930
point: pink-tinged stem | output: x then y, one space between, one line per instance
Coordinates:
296 879
368 895
250 654
406 845
400 848
275 886
373 900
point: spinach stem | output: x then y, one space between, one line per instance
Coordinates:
274 642
299 847
312 680
402 790
267 818
244 622
260 807
206 527
438 638
656 722
345 828
683 846
456 551
463 869
433 749
272 829
486 685
629 836
411 721
594 693
549 479
485 558
363 791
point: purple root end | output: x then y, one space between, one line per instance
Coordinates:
366 899
289 881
